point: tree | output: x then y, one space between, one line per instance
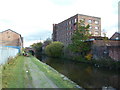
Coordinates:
79 39
47 41
37 47
55 49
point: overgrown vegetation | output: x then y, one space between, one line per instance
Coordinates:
13 73
37 47
60 80
55 49
16 76
79 38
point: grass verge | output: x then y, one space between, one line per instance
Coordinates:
13 73
60 80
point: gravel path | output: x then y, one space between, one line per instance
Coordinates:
36 78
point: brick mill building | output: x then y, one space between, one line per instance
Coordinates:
63 31
10 38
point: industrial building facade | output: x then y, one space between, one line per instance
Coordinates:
10 38
63 31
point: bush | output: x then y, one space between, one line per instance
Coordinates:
88 56
55 49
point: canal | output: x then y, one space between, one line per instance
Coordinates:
83 74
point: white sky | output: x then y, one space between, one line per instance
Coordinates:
33 19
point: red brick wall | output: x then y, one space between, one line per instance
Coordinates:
10 38
114 53
109 48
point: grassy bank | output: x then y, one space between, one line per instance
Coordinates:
60 80
29 72
13 73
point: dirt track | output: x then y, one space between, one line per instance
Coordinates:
35 77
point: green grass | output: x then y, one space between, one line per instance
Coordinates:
54 75
13 73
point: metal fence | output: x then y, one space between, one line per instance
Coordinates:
7 52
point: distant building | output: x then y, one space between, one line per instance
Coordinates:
10 38
115 36
63 31
106 48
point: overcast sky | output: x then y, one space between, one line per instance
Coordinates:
33 19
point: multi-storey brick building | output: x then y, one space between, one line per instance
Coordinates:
11 38
63 31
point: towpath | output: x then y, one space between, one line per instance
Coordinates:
29 72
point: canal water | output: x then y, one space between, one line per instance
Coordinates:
85 75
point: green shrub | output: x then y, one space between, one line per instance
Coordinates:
88 56
55 49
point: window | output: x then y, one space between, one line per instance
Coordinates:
8 36
90 32
66 28
82 19
90 27
89 21
117 38
69 22
96 33
96 28
75 20
82 24
72 21
96 22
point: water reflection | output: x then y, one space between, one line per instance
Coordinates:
83 74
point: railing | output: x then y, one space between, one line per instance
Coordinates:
7 52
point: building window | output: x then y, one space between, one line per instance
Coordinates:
96 33
67 34
72 21
82 24
90 32
117 38
89 21
69 22
96 28
66 28
96 22
75 20
82 19
90 27
8 36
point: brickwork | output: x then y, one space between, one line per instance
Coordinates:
63 31
10 38
105 49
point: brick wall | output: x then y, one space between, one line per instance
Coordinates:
106 49
10 38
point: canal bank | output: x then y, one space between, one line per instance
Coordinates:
29 72
86 75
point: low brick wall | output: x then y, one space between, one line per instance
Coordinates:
102 49
114 53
